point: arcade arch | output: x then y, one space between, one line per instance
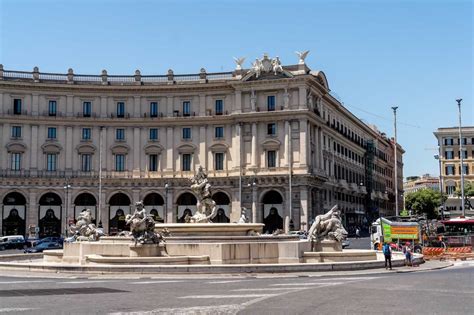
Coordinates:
119 207
186 204
14 214
272 203
154 205
223 207
50 215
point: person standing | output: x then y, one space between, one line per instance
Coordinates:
387 252
357 232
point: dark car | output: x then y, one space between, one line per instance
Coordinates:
12 242
54 239
43 246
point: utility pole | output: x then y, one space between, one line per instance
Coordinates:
396 157
462 158
99 212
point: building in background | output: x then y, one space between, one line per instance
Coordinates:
270 136
450 159
415 183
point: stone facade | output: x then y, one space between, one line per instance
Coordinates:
450 159
249 129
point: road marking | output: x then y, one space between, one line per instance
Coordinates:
213 309
16 309
24 281
157 281
90 281
224 281
227 296
305 284
264 289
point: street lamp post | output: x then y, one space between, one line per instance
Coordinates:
438 157
395 163
462 158
66 208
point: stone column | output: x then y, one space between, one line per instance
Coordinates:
136 152
32 209
103 107
255 217
235 211
34 148
304 206
170 165
286 161
170 217
70 105
69 143
237 147
104 214
302 98
202 105
303 142
254 146
35 104
238 102
202 155
169 105
136 106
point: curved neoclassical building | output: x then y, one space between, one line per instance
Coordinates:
269 137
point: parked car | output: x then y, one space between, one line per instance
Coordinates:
12 242
43 246
54 239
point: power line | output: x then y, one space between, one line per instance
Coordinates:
378 116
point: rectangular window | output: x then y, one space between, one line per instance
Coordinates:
52 133
450 170
86 160
86 109
186 133
120 109
187 108
17 106
16 161
271 103
271 129
153 163
120 134
186 162
16 131
153 134
464 155
86 133
219 107
51 162
52 108
119 162
154 109
219 161
219 133
271 158
465 169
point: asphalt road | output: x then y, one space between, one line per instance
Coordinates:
446 291
359 243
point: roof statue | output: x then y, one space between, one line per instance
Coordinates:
239 62
266 66
302 56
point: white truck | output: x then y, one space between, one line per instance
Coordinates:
395 232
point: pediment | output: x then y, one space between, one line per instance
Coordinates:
219 147
15 147
252 76
120 149
186 148
271 144
52 147
86 149
153 149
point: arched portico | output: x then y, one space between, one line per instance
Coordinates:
272 210
186 205
223 207
14 214
119 207
85 200
154 204
50 215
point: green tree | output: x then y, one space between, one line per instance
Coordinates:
424 201
468 190
404 213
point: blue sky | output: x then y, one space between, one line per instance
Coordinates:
417 55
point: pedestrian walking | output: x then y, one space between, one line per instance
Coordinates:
357 232
387 252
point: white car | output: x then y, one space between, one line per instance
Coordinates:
346 243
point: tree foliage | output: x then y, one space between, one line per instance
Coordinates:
468 190
424 201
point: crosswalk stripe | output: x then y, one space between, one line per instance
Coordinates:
16 309
264 289
227 296
157 281
90 281
306 284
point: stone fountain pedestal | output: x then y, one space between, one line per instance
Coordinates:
327 246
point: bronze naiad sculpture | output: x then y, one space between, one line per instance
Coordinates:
206 207
142 226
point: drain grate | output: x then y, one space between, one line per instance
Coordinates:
63 291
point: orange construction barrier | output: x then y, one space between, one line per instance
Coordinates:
433 251
464 249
